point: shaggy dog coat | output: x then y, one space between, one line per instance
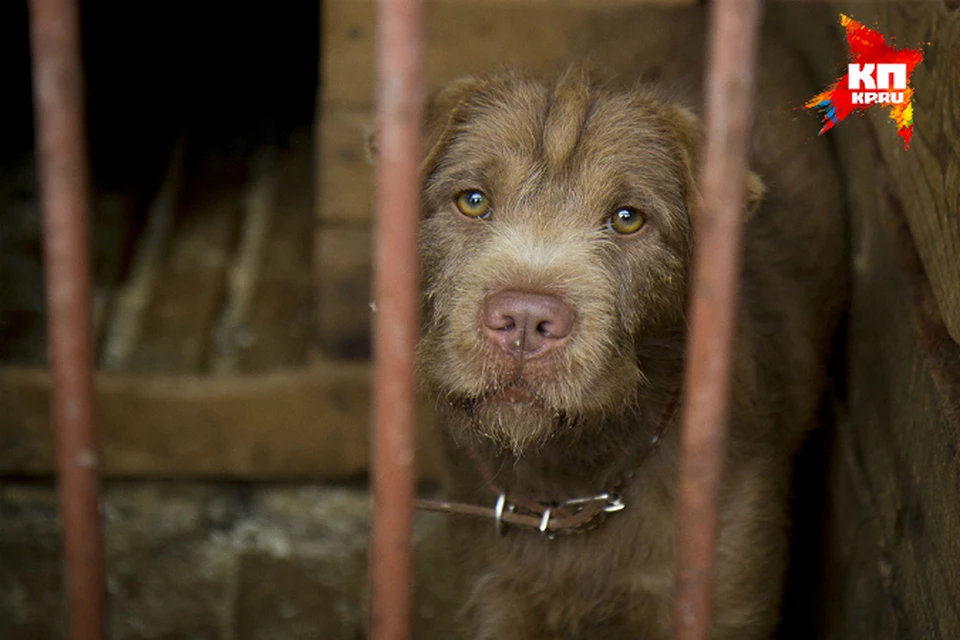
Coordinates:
557 238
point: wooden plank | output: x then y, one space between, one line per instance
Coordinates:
904 385
310 423
281 326
129 308
345 173
289 241
891 563
343 325
258 208
191 280
855 599
280 329
904 429
926 177
462 38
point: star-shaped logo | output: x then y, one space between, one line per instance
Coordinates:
878 74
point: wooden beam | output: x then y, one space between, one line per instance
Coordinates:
281 327
895 563
345 172
344 259
463 37
129 306
926 177
258 209
311 423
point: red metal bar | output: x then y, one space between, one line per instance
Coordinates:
61 164
729 91
396 323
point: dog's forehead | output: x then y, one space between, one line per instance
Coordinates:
568 142
565 124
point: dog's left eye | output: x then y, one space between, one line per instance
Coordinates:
473 204
626 220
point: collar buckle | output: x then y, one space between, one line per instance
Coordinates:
613 502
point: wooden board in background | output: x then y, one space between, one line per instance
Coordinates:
311 423
189 287
895 566
344 170
891 563
462 38
926 177
344 256
281 322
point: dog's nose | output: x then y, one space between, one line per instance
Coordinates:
527 324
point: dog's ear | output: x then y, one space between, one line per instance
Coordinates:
443 114
689 134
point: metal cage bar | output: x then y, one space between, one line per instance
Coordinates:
731 62
396 323
61 163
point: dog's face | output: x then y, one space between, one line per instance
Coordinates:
556 240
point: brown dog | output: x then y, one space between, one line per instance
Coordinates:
556 257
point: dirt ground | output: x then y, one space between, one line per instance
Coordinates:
199 561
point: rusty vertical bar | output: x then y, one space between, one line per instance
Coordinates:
61 165
734 31
396 323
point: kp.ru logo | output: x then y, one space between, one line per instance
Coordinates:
878 75
863 76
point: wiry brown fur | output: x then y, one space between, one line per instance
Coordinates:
556 159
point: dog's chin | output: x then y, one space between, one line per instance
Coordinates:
516 418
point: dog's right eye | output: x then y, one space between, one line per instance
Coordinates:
473 204
626 220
